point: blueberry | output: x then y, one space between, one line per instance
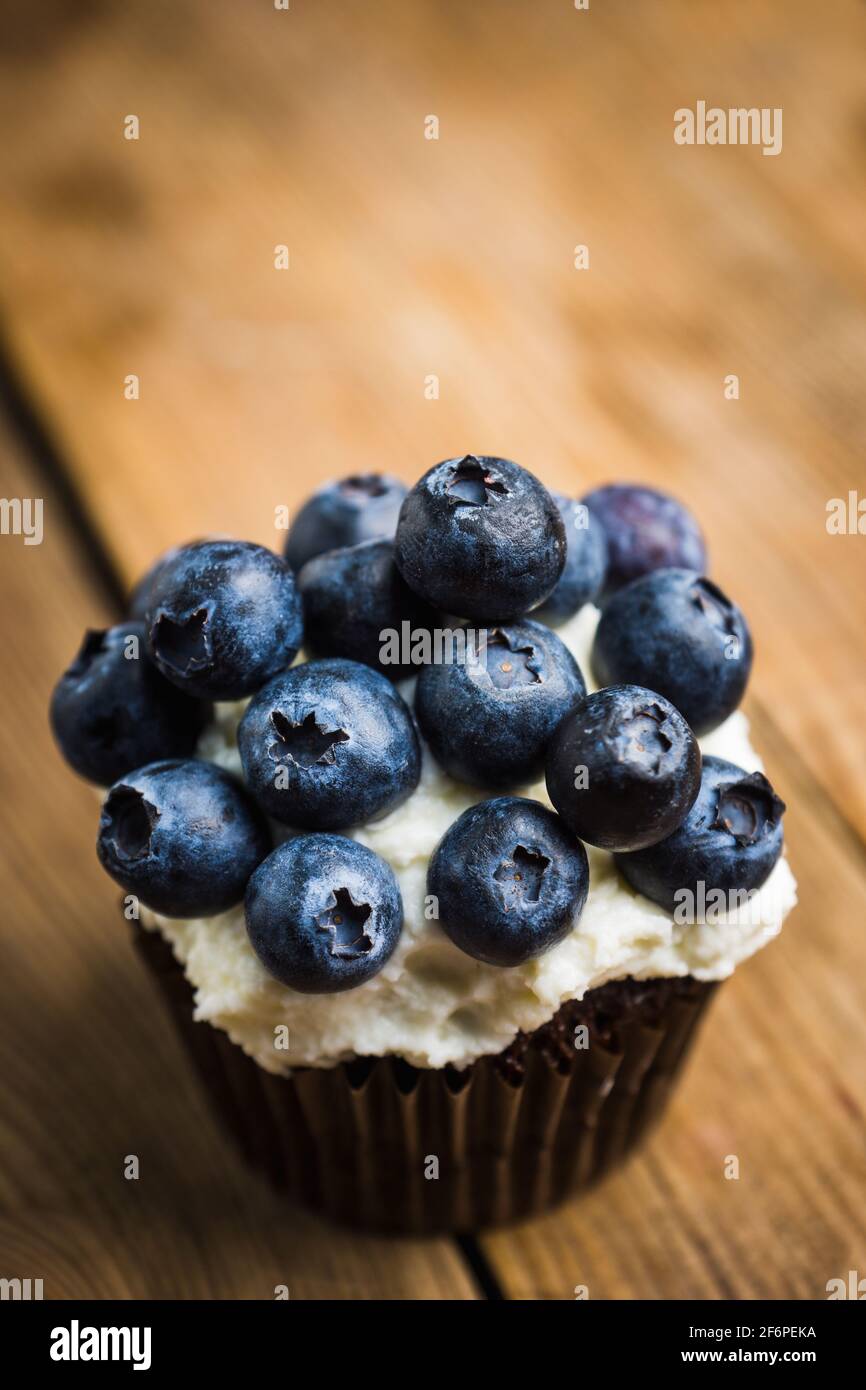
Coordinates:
183 836
329 744
112 710
363 507
223 617
509 880
646 530
480 537
489 717
623 768
676 633
354 599
323 913
139 598
729 842
583 577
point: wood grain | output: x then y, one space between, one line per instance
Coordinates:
454 257
411 257
92 1070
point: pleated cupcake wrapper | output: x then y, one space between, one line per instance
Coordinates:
383 1145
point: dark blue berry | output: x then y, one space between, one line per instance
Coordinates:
363 507
728 843
582 579
323 913
223 617
489 717
112 710
183 836
480 537
329 744
355 599
508 880
677 633
139 598
646 530
623 768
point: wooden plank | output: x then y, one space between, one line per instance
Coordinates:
454 257
93 1072
412 257
776 1081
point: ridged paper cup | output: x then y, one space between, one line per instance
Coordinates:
380 1144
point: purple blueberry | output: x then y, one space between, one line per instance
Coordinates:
329 744
363 507
646 530
323 913
223 617
623 768
489 716
508 880
729 842
675 632
480 537
182 836
112 710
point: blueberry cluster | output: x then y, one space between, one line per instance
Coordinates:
477 550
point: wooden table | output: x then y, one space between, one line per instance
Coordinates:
412 259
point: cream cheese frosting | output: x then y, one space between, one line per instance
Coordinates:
432 1004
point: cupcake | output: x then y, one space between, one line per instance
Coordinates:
436 902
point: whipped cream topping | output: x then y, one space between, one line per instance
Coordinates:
432 1004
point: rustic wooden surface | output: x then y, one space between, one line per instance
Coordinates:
411 257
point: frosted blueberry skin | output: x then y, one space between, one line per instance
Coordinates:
623 768
111 712
329 744
676 633
183 836
730 841
222 618
362 507
139 598
323 913
489 718
480 537
352 596
509 880
646 530
582 579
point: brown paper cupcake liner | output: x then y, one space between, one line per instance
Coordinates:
380 1144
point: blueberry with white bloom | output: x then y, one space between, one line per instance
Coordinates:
356 605
583 577
623 768
480 537
362 507
112 710
729 843
223 617
183 836
323 913
489 716
329 744
508 881
675 632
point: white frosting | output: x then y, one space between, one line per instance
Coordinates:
432 1004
